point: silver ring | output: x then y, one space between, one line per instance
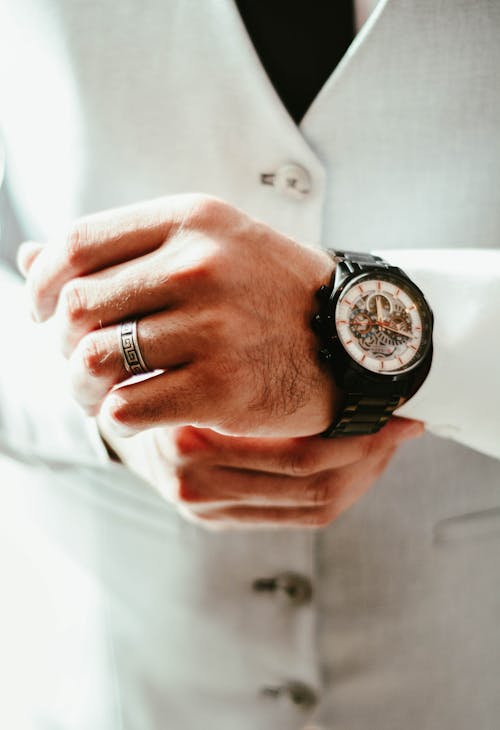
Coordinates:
130 350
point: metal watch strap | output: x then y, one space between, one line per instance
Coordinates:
357 262
361 413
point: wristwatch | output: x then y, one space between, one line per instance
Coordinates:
375 328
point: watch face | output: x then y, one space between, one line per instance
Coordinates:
383 323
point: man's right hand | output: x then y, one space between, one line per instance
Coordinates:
226 482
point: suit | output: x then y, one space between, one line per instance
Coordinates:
145 621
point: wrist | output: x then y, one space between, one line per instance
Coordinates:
326 396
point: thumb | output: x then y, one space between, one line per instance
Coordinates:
405 428
26 255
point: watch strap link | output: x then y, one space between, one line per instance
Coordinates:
356 262
356 256
362 414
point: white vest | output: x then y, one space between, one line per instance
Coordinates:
119 615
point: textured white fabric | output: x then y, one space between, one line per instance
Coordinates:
105 104
38 417
460 399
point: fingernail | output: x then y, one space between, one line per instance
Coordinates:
27 253
412 430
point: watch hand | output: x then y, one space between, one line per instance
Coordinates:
380 309
392 329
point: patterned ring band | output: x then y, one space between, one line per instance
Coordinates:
130 350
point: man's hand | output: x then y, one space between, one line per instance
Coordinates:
224 304
224 482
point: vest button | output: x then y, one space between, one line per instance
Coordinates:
302 695
299 693
293 180
294 588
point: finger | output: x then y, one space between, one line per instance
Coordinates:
26 255
101 240
319 515
300 456
121 292
176 397
265 517
202 485
165 339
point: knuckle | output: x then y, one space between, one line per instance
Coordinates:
73 302
119 411
300 462
182 490
320 518
190 444
91 356
204 275
321 490
75 241
207 209
186 489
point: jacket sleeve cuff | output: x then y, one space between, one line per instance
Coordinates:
460 399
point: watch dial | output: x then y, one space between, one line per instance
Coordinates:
382 324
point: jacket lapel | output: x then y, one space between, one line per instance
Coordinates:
262 81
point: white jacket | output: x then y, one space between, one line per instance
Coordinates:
120 615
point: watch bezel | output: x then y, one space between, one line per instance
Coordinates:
343 363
